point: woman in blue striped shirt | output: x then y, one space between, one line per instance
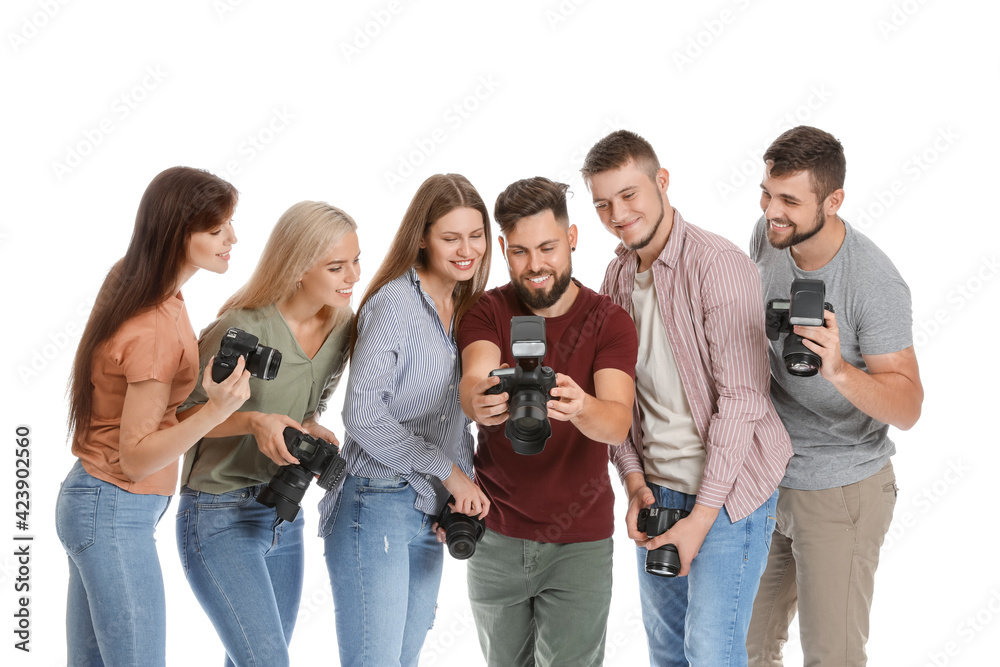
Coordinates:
408 444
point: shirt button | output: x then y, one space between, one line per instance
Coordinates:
453 357
442 417
451 386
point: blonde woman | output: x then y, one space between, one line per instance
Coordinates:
407 443
244 564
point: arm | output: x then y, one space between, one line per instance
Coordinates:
605 417
890 391
144 448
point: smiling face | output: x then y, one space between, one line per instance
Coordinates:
538 251
210 250
794 214
454 244
632 206
331 280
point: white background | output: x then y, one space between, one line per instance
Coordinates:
101 96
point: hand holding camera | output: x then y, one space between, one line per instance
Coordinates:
269 431
316 458
227 396
462 531
802 316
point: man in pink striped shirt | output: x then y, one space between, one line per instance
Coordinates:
705 437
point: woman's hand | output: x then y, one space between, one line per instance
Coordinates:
226 397
319 431
469 498
269 431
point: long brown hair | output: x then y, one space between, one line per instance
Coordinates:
303 235
436 197
177 202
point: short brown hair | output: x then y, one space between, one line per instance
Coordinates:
530 196
618 149
805 148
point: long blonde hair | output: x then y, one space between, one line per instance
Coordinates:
303 235
436 197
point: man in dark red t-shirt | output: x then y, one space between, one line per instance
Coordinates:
540 581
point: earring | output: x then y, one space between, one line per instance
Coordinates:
298 284
572 249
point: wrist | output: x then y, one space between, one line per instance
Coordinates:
634 483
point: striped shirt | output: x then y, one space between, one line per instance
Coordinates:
710 300
402 415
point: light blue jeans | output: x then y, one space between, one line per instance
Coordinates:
246 570
702 619
115 611
385 570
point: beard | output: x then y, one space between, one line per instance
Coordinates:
646 240
796 236
540 300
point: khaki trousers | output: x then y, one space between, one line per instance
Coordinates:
822 562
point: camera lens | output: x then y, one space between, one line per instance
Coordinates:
528 427
663 562
461 532
264 362
799 359
285 491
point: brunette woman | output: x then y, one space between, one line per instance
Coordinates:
407 443
137 360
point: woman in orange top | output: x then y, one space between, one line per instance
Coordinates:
137 360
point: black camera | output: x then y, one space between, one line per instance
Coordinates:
662 561
316 457
461 531
805 307
528 384
262 361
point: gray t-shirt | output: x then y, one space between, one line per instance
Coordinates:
835 443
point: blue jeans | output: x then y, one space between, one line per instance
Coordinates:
246 570
115 611
385 569
702 619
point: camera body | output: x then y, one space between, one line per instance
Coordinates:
262 361
528 384
804 307
663 561
461 531
316 457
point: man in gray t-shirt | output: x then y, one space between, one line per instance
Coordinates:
835 502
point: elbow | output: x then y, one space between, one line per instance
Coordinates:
131 469
909 420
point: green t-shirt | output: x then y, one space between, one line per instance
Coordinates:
301 389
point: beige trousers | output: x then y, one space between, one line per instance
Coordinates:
822 563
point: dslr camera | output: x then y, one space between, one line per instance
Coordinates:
262 361
316 457
461 531
805 308
528 385
662 561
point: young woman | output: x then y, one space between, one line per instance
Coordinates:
244 564
137 360
408 444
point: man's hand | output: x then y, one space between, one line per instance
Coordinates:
687 535
639 496
489 409
568 399
824 341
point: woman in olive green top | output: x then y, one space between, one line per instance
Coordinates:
244 564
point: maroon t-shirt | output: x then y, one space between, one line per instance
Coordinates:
563 494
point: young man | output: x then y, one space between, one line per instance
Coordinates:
705 437
540 580
839 491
